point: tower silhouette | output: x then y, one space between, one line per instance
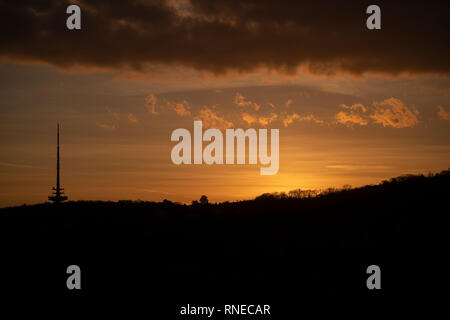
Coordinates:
58 192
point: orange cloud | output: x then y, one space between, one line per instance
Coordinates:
443 114
349 119
211 119
248 118
355 107
151 104
312 118
264 121
394 113
290 118
240 101
132 118
182 109
105 126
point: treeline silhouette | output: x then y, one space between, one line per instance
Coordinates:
383 215
256 248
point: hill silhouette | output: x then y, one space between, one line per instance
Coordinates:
317 245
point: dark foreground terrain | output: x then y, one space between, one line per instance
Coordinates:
291 253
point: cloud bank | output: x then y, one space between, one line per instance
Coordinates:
217 36
391 112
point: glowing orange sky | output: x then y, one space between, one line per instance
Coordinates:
116 140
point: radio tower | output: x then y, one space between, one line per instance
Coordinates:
58 192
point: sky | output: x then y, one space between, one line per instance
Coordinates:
353 106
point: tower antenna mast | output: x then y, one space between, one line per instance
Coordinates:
58 192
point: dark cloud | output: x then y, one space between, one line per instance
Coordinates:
325 36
